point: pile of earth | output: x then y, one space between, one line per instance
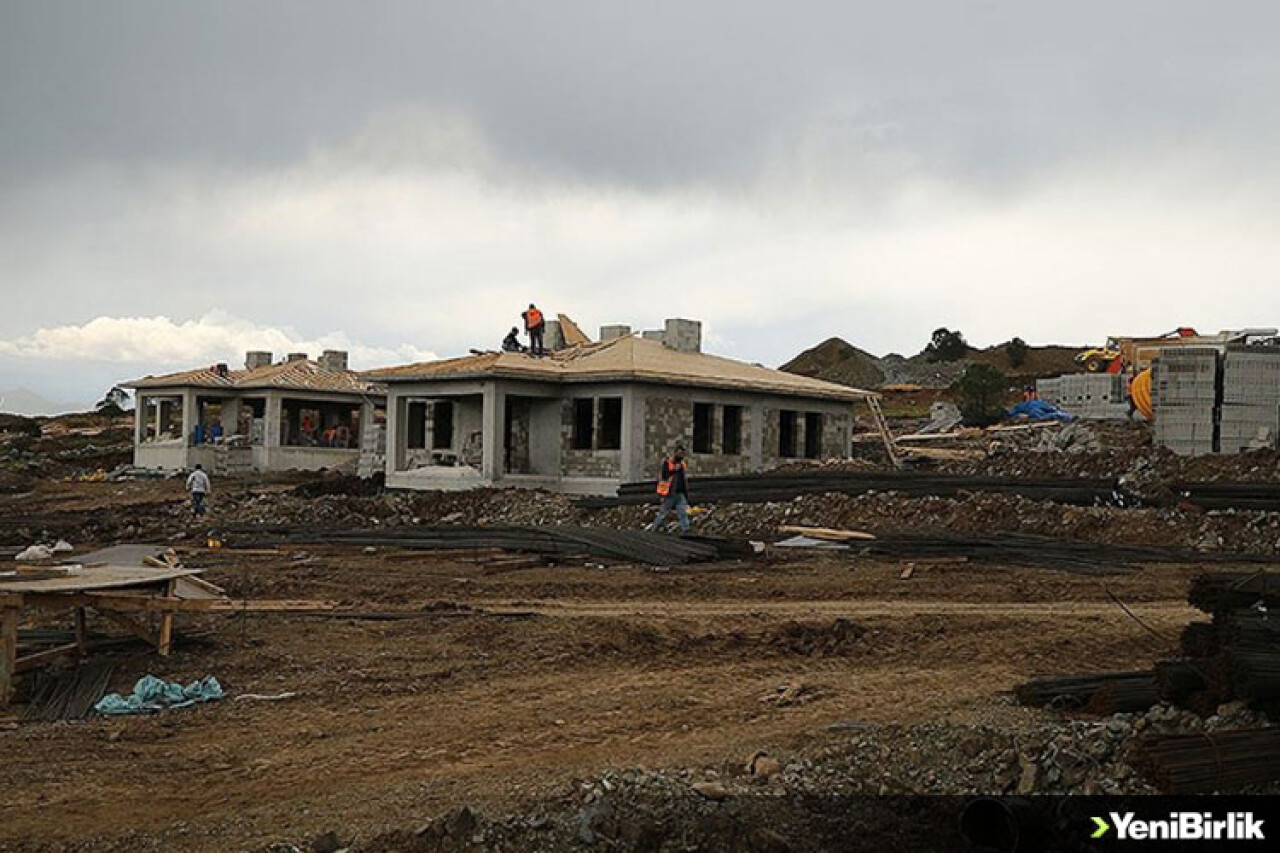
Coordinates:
821 799
63 446
837 360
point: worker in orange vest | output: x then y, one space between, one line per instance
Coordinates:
535 326
673 488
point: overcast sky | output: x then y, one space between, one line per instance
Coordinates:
182 181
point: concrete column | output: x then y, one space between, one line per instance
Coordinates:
229 415
395 432
491 421
139 420
188 415
270 428
629 450
159 419
755 436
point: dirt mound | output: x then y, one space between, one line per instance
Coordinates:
1039 361
837 360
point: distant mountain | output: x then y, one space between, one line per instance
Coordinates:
24 401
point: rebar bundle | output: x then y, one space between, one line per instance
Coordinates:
1076 692
1213 761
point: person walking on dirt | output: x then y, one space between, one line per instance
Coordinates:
673 487
198 486
535 325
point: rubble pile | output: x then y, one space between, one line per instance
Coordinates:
779 802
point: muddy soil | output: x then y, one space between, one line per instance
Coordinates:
504 688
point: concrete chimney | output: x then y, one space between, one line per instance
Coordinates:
609 333
683 335
334 360
296 356
254 359
553 336
653 335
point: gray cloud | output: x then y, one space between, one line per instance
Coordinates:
404 173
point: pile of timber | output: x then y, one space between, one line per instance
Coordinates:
1212 761
770 487
638 546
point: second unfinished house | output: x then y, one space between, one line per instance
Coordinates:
588 417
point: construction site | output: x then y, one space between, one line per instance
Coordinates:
424 612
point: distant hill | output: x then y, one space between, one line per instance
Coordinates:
837 360
24 401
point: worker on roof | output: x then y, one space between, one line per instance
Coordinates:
511 343
535 325
673 488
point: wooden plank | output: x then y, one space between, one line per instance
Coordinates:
131 625
80 632
35 659
165 644
197 588
102 577
8 652
827 533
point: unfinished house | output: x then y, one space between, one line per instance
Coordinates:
590 416
298 414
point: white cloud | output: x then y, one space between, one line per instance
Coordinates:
215 337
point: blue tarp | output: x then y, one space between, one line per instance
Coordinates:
153 694
1039 410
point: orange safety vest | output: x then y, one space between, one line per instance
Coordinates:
533 318
664 484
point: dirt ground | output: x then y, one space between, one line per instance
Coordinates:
502 687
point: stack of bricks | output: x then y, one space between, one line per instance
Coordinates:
1250 417
1184 396
1092 396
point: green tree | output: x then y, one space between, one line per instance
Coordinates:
982 390
113 402
1018 352
946 345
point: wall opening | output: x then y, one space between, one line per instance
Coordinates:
307 423
787 434
812 435
583 424
610 423
703 415
731 431
416 417
442 425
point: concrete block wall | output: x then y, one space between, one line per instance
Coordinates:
1250 414
1184 395
1093 396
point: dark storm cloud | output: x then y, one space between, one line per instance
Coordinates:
637 93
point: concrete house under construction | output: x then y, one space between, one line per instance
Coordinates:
298 414
587 417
